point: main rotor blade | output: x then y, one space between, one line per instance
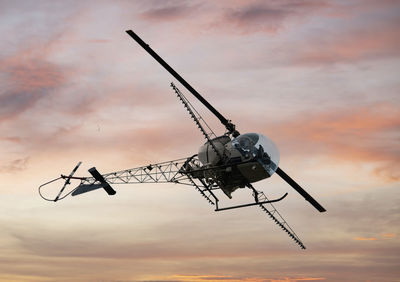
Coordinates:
229 126
301 191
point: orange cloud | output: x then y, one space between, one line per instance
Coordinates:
389 235
214 278
310 279
365 238
203 278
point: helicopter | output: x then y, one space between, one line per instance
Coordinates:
224 162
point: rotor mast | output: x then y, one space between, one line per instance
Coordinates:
227 123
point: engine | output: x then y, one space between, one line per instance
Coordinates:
209 156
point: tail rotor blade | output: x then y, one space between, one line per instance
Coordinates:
67 181
300 190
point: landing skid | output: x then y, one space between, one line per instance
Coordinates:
251 204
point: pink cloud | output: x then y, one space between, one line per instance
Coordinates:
367 32
365 134
31 78
13 139
351 46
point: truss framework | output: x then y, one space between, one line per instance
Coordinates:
164 172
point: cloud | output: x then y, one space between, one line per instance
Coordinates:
365 239
268 16
30 71
14 166
99 41
258 17
357 135
12 139
92 234
30 78
241 17
238 278
14 103
356 39
389 235
352 46
168 12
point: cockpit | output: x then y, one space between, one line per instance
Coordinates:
259 147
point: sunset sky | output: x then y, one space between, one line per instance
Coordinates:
320 78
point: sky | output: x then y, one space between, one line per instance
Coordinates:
320 78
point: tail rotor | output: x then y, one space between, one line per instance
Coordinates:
67 181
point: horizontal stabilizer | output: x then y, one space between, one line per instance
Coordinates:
110 191
83 188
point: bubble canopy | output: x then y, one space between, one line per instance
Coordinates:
256 144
